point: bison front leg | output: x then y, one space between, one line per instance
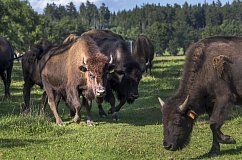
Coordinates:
88 105
102 113
218 116
111 99
73 99
116 109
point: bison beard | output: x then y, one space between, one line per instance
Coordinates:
210 84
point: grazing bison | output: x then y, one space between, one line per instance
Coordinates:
6 64
125 77
144 52
211 82
79 69
31 63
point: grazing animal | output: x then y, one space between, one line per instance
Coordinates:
125 77
6 64
144 53
31 62
79 69
211 82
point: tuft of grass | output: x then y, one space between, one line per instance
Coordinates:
137 135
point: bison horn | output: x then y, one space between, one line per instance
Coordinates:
84 62
147 63
111 59
162 103
183 106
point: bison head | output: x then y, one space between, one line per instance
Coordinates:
178 121
96 69
126 80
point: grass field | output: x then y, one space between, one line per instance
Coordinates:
137 135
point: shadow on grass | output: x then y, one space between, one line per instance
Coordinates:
224 152
10 143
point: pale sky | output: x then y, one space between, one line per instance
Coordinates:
116 5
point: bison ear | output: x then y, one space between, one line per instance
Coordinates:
83 68
162 103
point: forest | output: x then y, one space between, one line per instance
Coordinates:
172 28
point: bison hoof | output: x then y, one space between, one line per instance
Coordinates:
76 119
59 123
90 123
227 140
215 150
213 153
115 116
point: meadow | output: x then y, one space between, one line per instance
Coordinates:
137 135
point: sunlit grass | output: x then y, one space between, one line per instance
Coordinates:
137 135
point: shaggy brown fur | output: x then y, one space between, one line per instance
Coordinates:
61 76
55 50
102 34
212 79
71 38
219 63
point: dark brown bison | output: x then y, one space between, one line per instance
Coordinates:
79 69
31 62
6 64
211 82
125 78
144 52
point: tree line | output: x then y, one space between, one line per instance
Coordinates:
170 27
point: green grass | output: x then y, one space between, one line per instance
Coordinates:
137 135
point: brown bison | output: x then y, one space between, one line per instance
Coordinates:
6 64
125 77
211 82
31 61
69 72
144 52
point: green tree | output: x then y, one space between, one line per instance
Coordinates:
71 10
19 23
160 33
104 16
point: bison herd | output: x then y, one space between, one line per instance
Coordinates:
98 66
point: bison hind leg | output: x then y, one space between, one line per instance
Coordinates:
225 139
